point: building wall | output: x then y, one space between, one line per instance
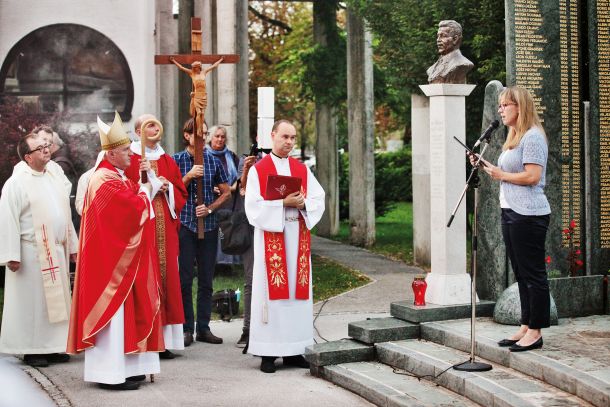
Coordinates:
129 24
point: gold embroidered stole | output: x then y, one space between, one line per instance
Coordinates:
54 277
275 250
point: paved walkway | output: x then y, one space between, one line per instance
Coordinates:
219 375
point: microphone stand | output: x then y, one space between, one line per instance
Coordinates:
472 182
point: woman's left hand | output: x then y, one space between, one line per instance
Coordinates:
493 171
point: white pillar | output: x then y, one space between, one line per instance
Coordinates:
420 153
266 116
448 283
226 37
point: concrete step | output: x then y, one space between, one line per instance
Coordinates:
337 352
379 384
406 311
571 369
499 387
375 330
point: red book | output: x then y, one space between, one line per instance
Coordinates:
280 186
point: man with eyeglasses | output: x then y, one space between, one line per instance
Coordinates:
37 242
192 249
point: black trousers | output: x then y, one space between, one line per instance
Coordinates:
202 252
524 237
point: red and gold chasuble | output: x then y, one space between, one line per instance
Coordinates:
116 266
275 245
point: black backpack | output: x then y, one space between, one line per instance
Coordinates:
225 304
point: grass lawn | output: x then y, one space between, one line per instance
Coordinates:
394 233
329 279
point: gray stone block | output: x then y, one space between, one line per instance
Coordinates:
406 311
336 352
377 330
508 307
578 296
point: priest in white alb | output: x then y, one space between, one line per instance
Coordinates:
37 241
282 300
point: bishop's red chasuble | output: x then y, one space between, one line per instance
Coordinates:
167 225
275 246
116 266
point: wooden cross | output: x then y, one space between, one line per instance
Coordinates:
196 55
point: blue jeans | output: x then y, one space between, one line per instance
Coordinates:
202 252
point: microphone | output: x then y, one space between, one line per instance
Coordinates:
487 133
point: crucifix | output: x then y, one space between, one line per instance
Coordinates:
198 94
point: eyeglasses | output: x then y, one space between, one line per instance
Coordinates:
503 106
40 148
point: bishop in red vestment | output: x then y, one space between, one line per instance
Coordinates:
167 205
115 315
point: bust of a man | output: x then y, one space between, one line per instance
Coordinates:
451 66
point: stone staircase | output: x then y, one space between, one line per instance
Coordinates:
395 362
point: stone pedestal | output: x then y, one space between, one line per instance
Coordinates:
448 282
420 153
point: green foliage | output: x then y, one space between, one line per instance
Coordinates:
392 181
325 74
405 38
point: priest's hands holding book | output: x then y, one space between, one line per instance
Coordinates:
295 200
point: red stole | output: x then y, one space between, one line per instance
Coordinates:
275 250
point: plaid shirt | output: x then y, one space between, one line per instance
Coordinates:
213 174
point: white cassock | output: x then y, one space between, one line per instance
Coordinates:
106 362
289 326
25 323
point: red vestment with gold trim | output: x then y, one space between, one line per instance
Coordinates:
116 266
166 234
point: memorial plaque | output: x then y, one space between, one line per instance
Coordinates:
599 90
544 55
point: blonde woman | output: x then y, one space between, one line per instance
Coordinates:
526 212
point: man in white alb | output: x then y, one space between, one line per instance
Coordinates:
37 241
282 307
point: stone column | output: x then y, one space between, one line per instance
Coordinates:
167 77
226 37
326 132
265 116
420 154
242 127
186 11
360 131
448 283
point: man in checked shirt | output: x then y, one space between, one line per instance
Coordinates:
192 249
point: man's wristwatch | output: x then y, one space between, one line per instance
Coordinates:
209 211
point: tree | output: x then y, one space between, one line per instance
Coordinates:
405 34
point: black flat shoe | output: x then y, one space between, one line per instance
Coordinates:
126 385
35 360
519 348
139 378
188 339
268 364
58 358
166 354
507 342
296 361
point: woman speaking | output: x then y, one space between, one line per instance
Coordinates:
525 212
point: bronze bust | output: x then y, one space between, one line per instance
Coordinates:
451 66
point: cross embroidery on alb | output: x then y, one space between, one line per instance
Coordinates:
52 269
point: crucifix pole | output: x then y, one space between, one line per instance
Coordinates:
198 94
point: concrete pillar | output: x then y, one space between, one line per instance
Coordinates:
448 283
166 36
226 37
242 127
326 132
360 131
420 153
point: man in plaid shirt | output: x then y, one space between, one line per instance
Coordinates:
192 249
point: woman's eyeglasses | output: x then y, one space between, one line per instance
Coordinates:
503 106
